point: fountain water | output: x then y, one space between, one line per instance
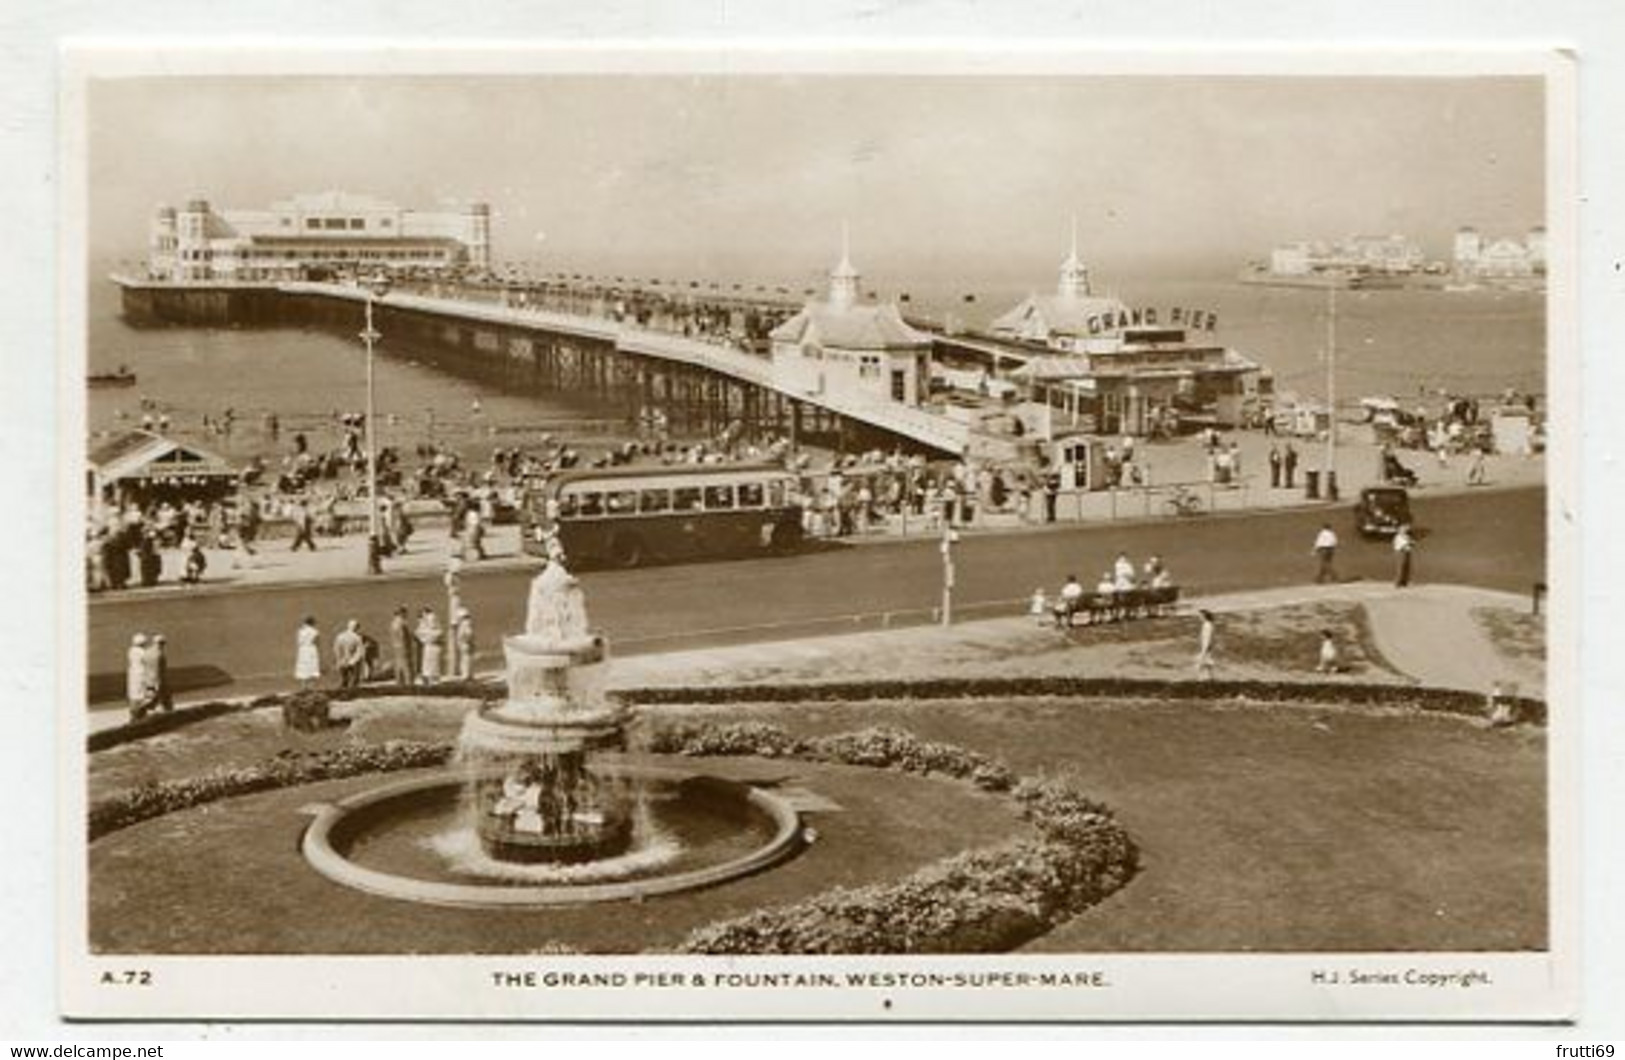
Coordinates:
536 796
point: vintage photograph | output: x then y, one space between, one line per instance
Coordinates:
595 521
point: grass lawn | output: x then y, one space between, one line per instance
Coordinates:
1277 828
233 740
1517 634
1282 642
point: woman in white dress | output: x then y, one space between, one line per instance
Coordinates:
433 638
307 660
139 680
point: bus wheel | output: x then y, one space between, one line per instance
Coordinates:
625 550
778 539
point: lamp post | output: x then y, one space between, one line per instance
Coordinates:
1331 392
453 567
950 537
376 288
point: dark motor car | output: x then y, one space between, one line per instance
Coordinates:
1382 510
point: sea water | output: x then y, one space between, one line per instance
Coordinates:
1403 343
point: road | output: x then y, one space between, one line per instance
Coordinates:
236 643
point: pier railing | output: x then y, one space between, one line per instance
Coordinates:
930 428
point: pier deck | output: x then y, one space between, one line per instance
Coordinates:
925 428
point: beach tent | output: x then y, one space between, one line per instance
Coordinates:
140 465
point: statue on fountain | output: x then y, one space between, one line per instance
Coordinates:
557 613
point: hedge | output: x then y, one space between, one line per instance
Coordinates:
981 901
156 724
879 746
286 770
1444 700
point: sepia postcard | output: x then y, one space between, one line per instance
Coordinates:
743 532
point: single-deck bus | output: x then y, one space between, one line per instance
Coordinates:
624 517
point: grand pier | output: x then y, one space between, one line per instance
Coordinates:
701 386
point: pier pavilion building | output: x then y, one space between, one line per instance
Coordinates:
1094 364
307 235
846 349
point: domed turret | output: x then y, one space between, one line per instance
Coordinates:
843 279
1074 280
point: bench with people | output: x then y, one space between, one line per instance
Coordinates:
1120 595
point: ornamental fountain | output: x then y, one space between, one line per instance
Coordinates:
542 804
536 796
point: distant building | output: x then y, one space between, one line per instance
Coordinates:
1386 255
843 348
1504 258
331 231
1102 366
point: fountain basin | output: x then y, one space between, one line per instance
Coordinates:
757 828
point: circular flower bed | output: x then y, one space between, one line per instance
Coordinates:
988 900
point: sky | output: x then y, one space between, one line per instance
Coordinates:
752 176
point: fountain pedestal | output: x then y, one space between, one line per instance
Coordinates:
536 796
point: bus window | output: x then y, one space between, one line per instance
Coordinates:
775 493
589 505
686 499
718 498
621 502
566 505
750 494
654 501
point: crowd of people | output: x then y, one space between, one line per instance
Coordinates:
125 545
421 651
1117 583
862 492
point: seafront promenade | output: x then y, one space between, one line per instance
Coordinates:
1170 465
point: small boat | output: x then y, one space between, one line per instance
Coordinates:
122 377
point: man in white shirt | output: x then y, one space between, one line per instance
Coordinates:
350 652
1123 573
1326 550
1071 597
1403 546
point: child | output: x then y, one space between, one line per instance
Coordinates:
1204 646
1329 662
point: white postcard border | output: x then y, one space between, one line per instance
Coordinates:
1521 987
